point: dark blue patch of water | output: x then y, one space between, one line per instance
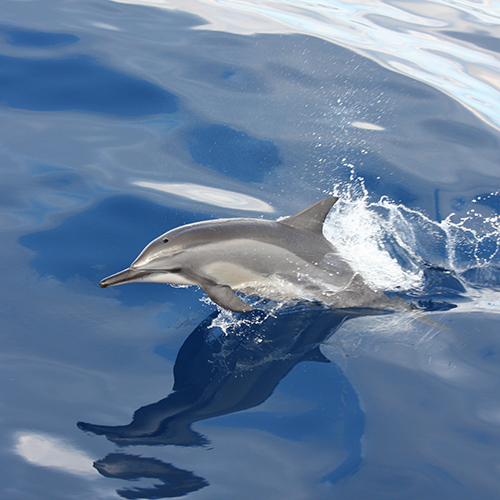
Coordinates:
79 83
233 152
30 38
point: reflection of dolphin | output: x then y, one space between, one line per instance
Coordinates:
175 482
281 260
238 370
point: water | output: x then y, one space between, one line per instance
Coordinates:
122 120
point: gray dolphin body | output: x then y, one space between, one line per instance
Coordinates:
282 260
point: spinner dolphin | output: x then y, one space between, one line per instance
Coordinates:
284 260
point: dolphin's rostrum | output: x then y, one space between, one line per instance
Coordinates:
283 260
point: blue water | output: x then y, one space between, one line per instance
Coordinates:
120 121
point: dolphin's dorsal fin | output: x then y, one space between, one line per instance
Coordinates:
312 218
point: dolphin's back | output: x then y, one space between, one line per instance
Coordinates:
309 246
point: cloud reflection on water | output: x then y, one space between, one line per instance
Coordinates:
49 451
213 196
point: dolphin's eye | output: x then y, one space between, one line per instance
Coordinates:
165 240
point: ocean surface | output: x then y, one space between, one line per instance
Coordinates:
120 120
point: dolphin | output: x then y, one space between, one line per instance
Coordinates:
284 260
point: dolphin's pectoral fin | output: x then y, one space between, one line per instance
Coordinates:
225 297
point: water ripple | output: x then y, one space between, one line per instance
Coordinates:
417 39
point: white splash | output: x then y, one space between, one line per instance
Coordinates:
390 244
227 321
363 233
358 233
